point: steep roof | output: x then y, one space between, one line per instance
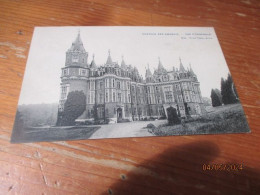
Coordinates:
93 64
109 59
77 45
182 69
148 72
123 65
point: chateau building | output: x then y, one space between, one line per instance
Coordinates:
119 92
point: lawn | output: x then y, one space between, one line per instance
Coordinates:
222 119
36 134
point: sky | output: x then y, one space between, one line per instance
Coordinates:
195 46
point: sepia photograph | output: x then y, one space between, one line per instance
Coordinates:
116 82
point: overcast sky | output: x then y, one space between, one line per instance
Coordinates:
139 46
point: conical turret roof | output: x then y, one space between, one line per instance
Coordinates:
109 59
123 65
148 72
77 45
93 64
191 71
182 69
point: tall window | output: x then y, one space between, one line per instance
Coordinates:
118 85
159 100
101 85
168 94
114 96
106 96
186 96
119 97
101 98
129 98
107 83
184 85
128 85
113 82
157 89
177 86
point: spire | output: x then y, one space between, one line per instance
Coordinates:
182 69
93 64
123 65
109 59
160 66
191 71
77 45
148 72
160 69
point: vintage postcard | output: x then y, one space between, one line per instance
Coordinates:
114 82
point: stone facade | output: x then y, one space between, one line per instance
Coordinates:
119 92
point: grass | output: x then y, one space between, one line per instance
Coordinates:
224 119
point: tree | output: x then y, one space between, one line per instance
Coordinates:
218 92
228 95
172 116
231 94
215 98
224 91
74 106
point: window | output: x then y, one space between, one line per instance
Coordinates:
168 94
75 58
159 100
107 83
118 85
106 96
83 72
177 86
114 96
133 99
113 82
128 85
100 98
129 98
119 97
180 98
92 85
101 85
65 71
148 89
92 98
157 89
184 85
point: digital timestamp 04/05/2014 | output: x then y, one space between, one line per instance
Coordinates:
222 167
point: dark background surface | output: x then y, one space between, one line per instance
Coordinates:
164 165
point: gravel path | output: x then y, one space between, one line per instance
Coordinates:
130 129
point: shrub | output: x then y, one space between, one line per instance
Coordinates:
173 116
150 126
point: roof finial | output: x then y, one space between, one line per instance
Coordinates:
109 52
122 57
93 56
180 59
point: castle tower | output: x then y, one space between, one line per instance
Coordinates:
75 72
76 54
